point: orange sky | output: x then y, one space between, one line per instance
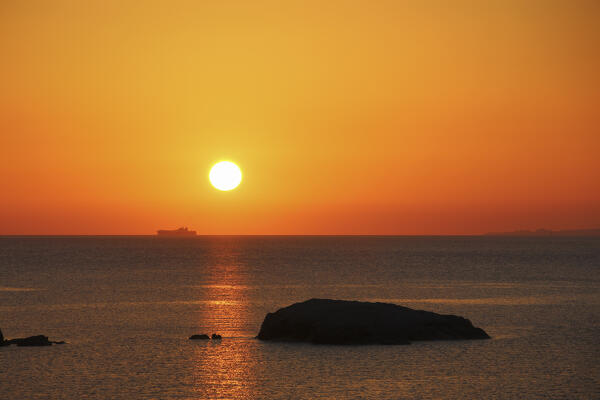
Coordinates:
346 117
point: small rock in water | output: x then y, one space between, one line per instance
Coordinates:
215 336
199 337
38 340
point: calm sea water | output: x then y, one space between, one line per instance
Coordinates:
126 306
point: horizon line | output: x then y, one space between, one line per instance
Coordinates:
232 234
589 232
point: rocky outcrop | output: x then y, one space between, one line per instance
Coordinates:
323 321
199 337
38 340
214 336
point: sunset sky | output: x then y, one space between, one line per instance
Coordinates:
346 117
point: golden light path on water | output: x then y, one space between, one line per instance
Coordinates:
225 369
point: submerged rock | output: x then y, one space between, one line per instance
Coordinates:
324 321
199 337
216 337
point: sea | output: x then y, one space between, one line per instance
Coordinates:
126 306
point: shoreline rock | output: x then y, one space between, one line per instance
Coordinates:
37 340
324 321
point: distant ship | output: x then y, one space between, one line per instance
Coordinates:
181 232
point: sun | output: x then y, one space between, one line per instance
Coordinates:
225 175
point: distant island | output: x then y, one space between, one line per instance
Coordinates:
548 232
181 232
343 322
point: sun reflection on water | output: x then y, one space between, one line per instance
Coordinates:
224 368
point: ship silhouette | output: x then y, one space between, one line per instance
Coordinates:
181 232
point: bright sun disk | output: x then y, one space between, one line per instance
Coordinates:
225 175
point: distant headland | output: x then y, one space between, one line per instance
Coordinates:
181 232
548 232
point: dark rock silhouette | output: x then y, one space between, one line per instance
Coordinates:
38 340
323 321
216 337
199 337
